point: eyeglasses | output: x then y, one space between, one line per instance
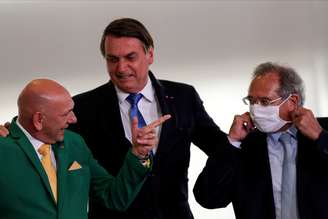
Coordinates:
264 101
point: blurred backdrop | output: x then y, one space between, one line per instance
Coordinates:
213 45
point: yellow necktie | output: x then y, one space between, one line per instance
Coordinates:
44 150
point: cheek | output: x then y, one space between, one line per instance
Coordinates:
285 112
110 67
59 124
111 74
142 70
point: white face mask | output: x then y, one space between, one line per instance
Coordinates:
266 118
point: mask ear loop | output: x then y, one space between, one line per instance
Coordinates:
285 100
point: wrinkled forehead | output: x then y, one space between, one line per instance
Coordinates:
265 86
122 45
59 103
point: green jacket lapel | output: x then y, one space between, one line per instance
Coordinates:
22 141
61 158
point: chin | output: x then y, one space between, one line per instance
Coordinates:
129 89
60 138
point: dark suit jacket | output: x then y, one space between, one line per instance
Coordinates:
25 190
243 177
165 192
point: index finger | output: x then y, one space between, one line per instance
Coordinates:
159 121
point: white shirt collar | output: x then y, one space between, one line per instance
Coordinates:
148 92
275 136
35 142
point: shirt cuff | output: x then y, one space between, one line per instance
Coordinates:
234 142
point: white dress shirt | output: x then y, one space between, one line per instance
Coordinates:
148 107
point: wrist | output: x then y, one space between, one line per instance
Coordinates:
145 160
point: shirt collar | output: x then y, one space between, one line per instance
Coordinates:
275 136
148 92
35 142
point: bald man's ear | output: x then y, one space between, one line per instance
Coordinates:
37 121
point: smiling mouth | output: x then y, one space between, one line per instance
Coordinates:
124 76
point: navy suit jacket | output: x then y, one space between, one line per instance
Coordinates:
243 177
165 192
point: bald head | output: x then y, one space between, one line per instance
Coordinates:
38 94
44 105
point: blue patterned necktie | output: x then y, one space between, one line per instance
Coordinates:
288 181
133 99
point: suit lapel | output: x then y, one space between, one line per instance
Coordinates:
167 107
61 161
260 171
30 152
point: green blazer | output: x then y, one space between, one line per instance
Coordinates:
25 190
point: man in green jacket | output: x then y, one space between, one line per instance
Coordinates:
60 189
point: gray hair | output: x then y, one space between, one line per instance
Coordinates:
290 81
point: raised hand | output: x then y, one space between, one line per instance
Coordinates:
241 126
305 121
144 139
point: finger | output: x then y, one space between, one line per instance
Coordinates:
134 127
248 126
144 151
296 113
7 125
159 121
147 135
247 117
153 125
144 131
147 142
245 121
140 151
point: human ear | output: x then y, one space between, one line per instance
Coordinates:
150 55
293 102
37 119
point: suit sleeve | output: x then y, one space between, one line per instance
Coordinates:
322 142
117 192
215 186
206 134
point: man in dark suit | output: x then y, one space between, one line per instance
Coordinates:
277 168
48 172
129 51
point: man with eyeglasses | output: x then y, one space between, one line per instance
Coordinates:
278 168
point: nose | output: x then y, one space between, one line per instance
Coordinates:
72 118
121 65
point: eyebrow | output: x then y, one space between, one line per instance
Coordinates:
115 56
68 111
